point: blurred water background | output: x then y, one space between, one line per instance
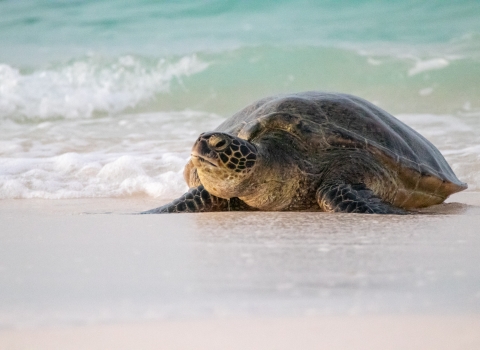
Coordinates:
105 98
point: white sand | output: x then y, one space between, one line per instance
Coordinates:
72 280
367 332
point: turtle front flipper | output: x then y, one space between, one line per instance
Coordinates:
197 199
353 198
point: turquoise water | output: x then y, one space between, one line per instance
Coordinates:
65 29
119 71
369 48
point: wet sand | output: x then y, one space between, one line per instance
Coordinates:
332 332
86 274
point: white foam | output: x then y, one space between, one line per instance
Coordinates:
99 157
73 176
425 91
457 138
144 154
373 61
83 87
426 65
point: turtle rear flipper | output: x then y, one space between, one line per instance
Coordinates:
353 198
198 199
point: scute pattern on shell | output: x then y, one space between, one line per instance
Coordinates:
332 120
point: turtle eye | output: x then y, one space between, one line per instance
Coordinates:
218 142
221 144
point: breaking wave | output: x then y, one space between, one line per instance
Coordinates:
83 88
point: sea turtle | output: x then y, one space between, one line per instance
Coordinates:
314 151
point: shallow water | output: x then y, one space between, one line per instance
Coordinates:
104 98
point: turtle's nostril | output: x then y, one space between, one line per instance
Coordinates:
217 142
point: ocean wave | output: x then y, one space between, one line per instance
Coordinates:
225 81
97 127
83 87
124 155
73 175
400 82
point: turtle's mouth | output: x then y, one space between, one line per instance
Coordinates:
204 160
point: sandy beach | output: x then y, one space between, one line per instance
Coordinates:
333 332
100 105
86 274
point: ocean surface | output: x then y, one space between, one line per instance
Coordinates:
105 98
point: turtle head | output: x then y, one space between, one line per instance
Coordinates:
224 163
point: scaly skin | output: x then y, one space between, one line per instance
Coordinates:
357 198
198 200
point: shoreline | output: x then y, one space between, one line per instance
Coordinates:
134 204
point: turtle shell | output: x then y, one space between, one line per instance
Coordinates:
333 120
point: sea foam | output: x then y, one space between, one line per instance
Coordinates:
124 155
431 64
82 87
144 154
